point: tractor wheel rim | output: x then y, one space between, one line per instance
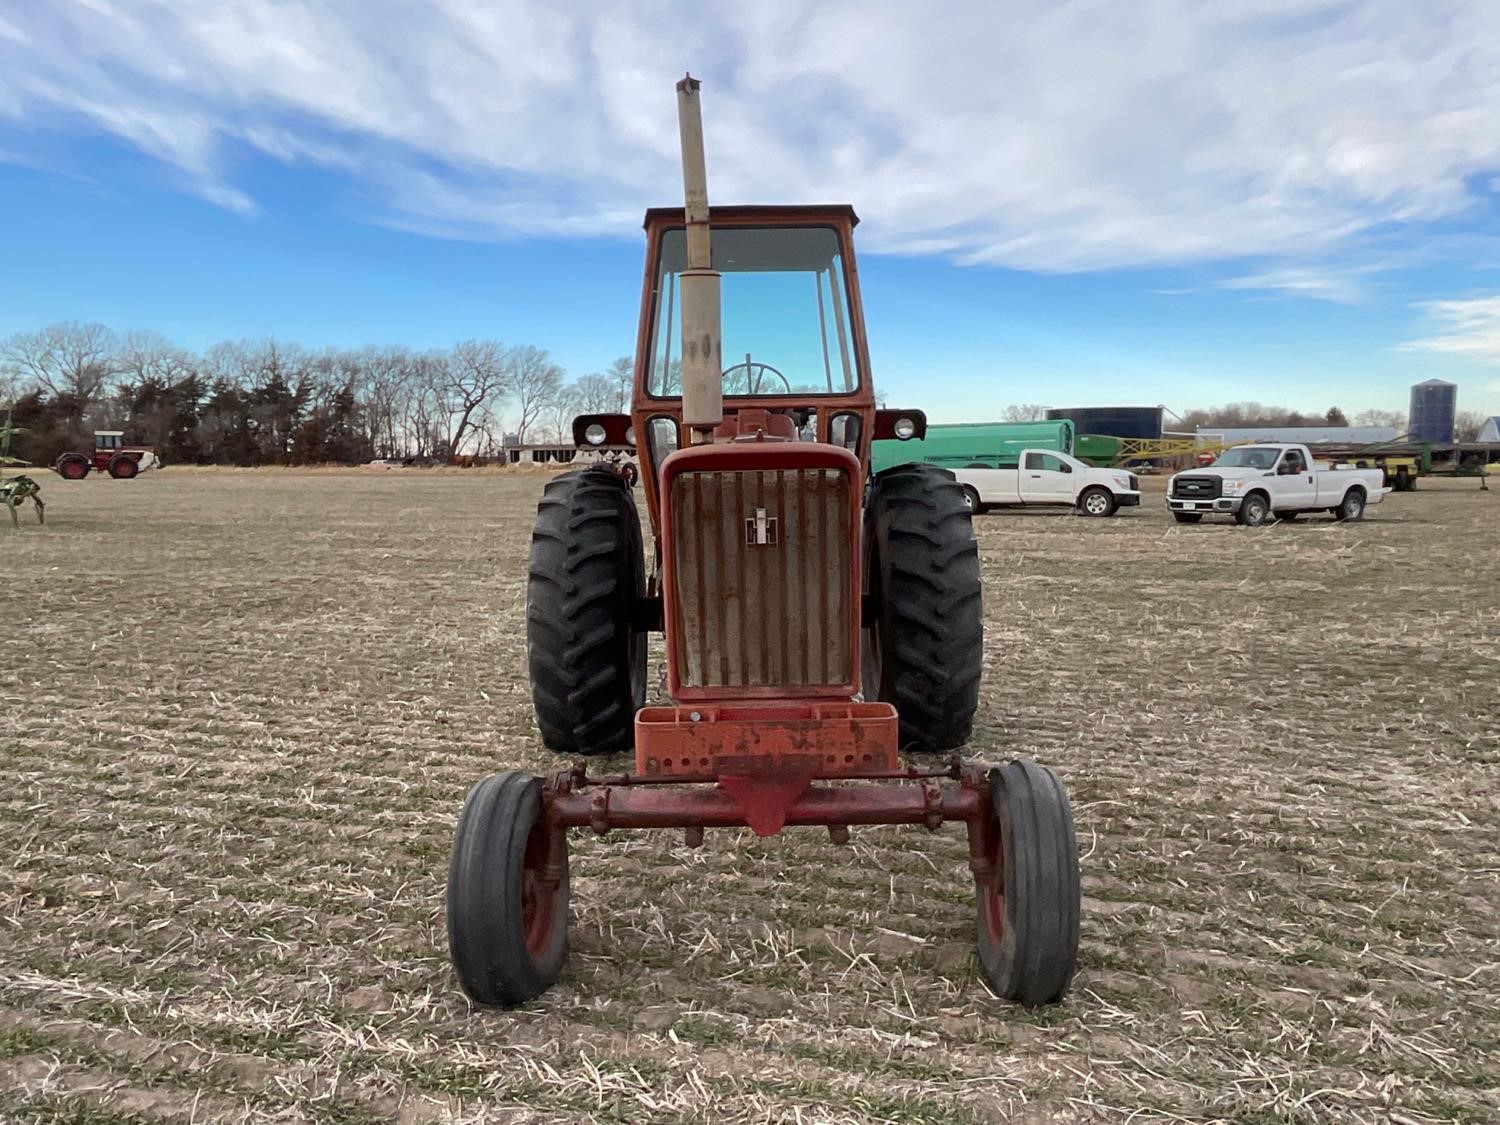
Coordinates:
992 892
538 894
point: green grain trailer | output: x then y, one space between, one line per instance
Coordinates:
987 445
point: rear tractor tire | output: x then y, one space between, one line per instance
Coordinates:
1351 507
584 582
73 466
1254 510
1096 502
1029 905
924 639
507 893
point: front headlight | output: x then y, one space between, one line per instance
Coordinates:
1233 485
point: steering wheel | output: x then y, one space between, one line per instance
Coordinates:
752 380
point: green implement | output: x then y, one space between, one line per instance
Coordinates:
15 491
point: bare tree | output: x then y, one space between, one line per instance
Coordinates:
468 381
533 381
598 394
1024 412
621 373
63 359
1395 419
1467 424
566 405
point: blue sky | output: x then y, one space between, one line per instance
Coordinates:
1291 201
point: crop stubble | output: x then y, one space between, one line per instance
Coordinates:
242 709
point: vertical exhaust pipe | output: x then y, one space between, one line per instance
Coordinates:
702 361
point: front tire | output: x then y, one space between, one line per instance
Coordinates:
1029 906
971 498
1097 502
122 467
507 893
1352 507
1254 510
585 578
923 648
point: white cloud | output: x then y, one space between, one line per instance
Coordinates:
1344 287
1469 328
1037 134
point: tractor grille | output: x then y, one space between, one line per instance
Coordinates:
1197 488
761 572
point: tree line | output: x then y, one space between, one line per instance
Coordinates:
273 403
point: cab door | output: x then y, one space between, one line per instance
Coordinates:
1296 487
1046 479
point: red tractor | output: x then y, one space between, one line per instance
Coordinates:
819 621
111 455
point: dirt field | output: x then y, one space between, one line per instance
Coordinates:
240 711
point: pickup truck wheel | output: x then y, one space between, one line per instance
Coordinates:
1187 517
1254 510
1097 502
1352 507
971 498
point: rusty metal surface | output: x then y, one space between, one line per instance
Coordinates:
703 807
789 739
767 611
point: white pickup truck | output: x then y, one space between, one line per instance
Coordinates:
1044 476
1258 483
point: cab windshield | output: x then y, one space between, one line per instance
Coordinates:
785 312
1247 457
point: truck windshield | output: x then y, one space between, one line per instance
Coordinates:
786 316
1248 457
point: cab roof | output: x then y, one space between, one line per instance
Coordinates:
747 213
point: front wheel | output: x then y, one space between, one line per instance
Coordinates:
122 467
1255 510
1030 896
1097 502
507 893
1352 507
971 498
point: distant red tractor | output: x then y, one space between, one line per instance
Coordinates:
111 455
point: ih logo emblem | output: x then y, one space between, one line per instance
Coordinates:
760 529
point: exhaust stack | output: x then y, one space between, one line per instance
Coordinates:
702 362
